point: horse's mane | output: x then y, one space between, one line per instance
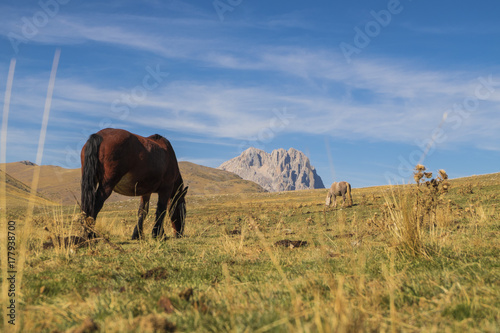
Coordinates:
160 140
156 137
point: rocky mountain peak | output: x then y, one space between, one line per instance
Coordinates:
27 163
281 170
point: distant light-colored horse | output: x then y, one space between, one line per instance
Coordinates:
337 189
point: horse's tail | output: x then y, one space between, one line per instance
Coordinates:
90 173
349 196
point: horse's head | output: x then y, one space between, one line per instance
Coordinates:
328 199
178 212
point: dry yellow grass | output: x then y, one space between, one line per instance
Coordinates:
353 276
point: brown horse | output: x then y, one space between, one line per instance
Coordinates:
132 165
337 189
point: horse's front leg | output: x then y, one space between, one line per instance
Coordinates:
103 192
161 211
334 201
142 213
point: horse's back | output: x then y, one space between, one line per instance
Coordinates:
119 147
338 188
122 145
345 185
138 165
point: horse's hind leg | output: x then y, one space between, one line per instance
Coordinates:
161 211
142 213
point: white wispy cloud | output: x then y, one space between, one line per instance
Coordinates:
381 99
222 110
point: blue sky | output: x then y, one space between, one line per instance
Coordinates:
361 87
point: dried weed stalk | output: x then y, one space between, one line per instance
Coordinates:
415 212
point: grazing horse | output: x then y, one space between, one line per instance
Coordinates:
132 165
337 189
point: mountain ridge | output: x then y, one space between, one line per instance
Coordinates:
280 170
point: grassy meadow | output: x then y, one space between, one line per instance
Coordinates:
401 259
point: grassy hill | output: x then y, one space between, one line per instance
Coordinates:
18 193
280 262
56 184
205 180
63 185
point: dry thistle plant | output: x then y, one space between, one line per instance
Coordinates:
428 197
414 213
441 181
